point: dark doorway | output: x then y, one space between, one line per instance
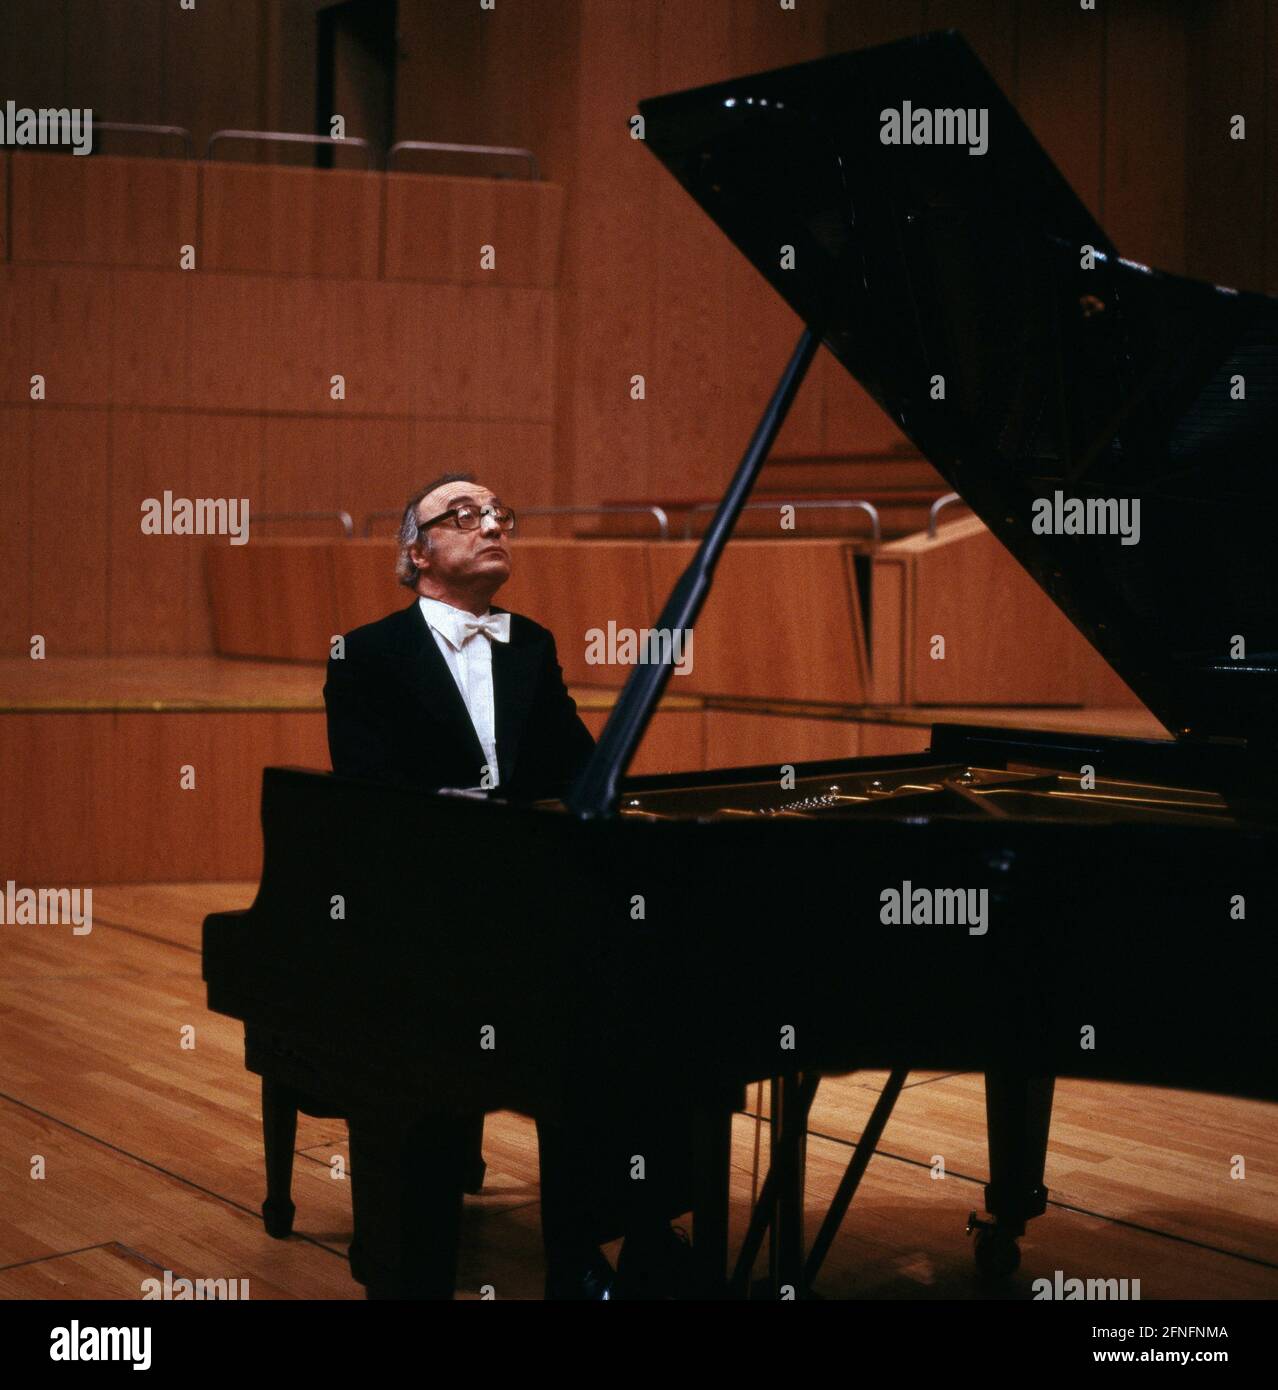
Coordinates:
356 76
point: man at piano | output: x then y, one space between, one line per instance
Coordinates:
452 692
449 691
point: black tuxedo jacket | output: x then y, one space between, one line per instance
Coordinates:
395 714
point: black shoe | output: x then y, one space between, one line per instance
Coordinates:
473 1176
657 1266
591 1282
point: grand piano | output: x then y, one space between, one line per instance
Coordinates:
1128 929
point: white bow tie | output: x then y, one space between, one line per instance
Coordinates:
496 626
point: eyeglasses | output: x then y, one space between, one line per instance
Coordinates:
468 518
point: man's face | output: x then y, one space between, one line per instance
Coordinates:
457 558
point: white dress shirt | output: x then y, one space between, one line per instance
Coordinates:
469 656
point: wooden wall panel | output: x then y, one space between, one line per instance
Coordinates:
376 465
869 22
33 50
516 353
70 533
648 285
1099 685
502 76
115 60
373 336
764 333
292 58
117 778
214 69
15 336
364 584
230 363
274 601
150 357
290 221
52 768
329 464
478 353
59 326
608 261
1061 87
4 206
16 499
513 457
1225 192
688 369
891 587
1012 646
440 336
241 63
743 740
304 347
153 578
853 422
572 587
782 622
225 458
1145 133
435 228
674 741
103 211
887 740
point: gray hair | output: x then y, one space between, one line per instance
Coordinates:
410 533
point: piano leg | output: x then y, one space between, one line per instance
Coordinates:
406 1189
279 1137
792 1097
1018 1111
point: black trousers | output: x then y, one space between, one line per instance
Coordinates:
609 1170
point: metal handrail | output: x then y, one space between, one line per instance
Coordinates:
291 137
372 517
946 499
446 147
663 521
344 519
842 505
133 128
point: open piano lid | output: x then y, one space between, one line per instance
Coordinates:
1113 382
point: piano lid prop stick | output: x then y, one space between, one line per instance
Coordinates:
595 791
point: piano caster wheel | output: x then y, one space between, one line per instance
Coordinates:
998 1256
277 1217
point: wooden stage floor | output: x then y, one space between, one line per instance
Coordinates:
152 1153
